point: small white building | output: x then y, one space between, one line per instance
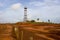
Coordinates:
38 20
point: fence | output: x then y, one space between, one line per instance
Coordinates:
22 34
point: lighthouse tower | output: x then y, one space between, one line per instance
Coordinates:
25 14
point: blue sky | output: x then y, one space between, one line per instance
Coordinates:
12 11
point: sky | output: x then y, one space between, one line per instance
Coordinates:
12 11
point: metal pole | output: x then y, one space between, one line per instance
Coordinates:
21 35
31 38
17 33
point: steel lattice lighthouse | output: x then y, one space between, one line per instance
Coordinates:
25 14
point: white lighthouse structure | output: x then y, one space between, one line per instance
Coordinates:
25 14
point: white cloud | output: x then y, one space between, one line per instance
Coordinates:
1 4
12 14
52 2
45 3
43 10
36 3
16 6
49 9
0 11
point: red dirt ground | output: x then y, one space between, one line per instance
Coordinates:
6 29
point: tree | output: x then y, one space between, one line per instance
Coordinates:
32 20
48 20
37 19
